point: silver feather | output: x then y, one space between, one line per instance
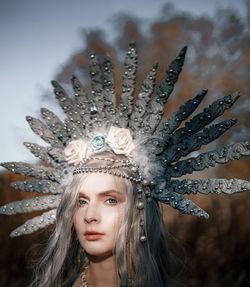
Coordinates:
96 103
181 203
194 142
128 86
95 75
209 159
31 204
82 101
40 152
196 124
40 129
213 185
73 123
140 107
36 223
55 125
24 168
175 120
39 186
156 108
108 89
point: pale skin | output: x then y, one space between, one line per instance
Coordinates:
97 221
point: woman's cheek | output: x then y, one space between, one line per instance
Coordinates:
78 218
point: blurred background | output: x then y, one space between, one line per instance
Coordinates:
45 40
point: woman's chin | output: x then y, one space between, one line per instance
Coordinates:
99 255
99 248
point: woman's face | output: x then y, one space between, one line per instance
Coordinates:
100 212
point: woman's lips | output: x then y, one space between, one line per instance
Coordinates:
93 235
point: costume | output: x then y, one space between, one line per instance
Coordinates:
150 147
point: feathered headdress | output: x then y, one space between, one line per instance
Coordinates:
152 147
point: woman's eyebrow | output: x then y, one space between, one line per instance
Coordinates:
102 193
110 192
82 194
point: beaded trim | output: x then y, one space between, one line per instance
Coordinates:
84 282
107 159
109 169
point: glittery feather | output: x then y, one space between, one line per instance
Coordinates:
82 103
39 186
175 120
209 159
140 107
128 86
215 110
195 141
156 107
73 124
40 152
55 125
95 74
31 204
24 168
108 89
96 99
181 203
214 185
38 222
40 129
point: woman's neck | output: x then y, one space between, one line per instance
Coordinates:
102 272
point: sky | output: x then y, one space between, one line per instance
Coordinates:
37 37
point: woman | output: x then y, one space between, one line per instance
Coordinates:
100 225
113 163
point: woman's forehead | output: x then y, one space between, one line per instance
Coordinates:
100 182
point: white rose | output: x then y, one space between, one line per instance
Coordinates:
120 140
76 151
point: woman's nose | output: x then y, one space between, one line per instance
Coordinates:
91 214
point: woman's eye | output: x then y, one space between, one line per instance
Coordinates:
112 201
82 202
